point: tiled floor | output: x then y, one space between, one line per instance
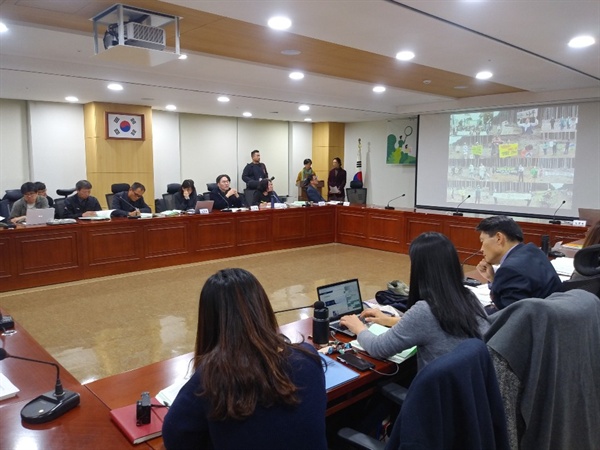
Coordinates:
108 325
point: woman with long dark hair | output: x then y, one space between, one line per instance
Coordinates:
336 181
250 389
442 311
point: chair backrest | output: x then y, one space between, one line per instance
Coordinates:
65 192
211 186
59 208
173 188
109 198
169 201
587 260
4 211
551 346
119 187
453 402
357 196
589 284
206 195
12 195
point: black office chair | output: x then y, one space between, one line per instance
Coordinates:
4 211
116 188
453 402
211 186
587 268
12 195
172 189
356 196
59 203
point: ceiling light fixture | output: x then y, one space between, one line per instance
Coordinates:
115 87
183 56
405 55
581 41
247 114
279 23
308 119
484 75
291 52
71 98
3 28
304 108
223 99
379 89
296 75
170 107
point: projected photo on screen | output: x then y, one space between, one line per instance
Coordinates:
522 157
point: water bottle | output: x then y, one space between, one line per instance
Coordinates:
321 324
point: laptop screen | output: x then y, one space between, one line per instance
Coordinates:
341 298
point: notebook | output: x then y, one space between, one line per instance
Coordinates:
204 204
40 216
125 419
341 299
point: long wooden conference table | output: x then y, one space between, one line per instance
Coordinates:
42 255
89 425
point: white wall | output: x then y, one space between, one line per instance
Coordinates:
14 146
167 157
301 148
57 144
383 182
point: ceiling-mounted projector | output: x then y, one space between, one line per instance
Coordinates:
136 35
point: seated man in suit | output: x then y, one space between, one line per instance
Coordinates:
130 203
81 204
30 200
225 196
311 190
524 270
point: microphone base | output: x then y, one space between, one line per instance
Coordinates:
457 214
47 407
389 207
555 222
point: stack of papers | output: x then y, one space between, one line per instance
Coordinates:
398 357
482 292
563 266
7 389
167 395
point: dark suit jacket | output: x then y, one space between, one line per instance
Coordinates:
223 202
525 273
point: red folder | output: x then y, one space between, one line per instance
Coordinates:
125 418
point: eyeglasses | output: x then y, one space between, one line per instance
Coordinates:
30 194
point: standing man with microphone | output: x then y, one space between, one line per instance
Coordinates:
130 203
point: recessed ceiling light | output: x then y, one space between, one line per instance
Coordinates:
3 28
460 87
484 75
170 107
581 41
291 52
279 23
223 99
296 75
115 87
308 119
247 114
426 81
379 89
71 98
405 55
182 56
304 108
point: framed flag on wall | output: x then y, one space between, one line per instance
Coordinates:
124 126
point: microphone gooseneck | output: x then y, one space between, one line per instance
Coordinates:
554 221
49 405
395 198
456 213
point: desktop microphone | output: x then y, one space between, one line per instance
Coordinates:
320 324
554 221
49 405
456 213
468 280
395 198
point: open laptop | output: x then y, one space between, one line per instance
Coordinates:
204 204
341 299
35 216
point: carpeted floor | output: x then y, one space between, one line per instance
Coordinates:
109 325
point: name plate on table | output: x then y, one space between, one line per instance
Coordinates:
580 223
321 203
254 208
280 206
346 203
203 211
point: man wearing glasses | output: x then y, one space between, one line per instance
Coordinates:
29 200
130 203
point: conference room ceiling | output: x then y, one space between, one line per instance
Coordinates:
346 48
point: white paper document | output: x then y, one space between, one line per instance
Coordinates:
168 394
563 266
7 389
